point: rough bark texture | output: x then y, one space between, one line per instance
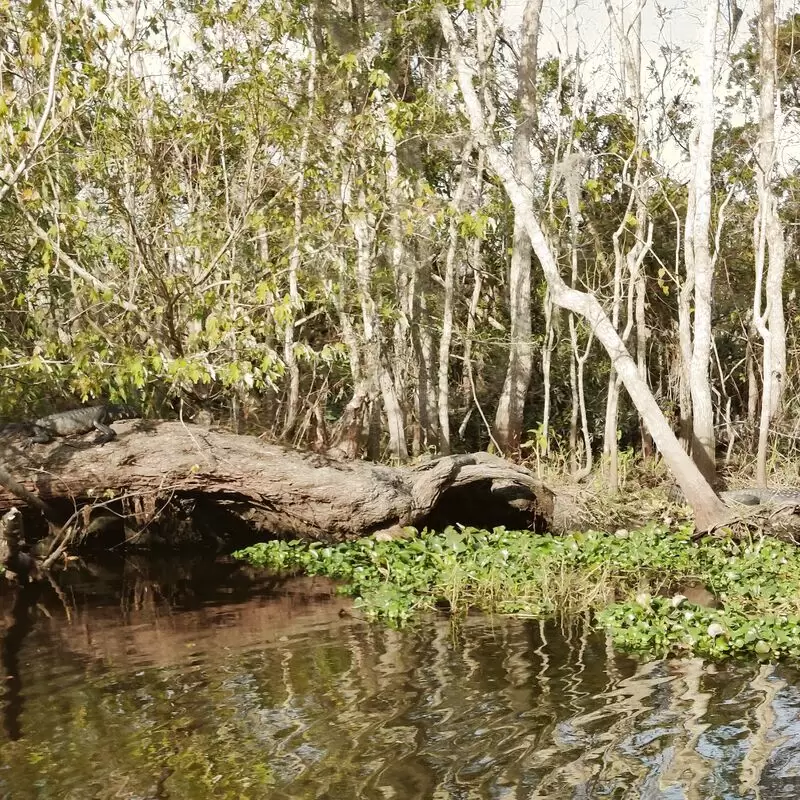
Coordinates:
247 489
15 562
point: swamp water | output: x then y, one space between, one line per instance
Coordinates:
222 683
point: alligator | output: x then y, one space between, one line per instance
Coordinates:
81 420
755 496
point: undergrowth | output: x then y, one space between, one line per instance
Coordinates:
631 580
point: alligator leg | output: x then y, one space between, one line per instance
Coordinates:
107 432
41 435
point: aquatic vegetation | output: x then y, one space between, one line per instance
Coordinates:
638 583
672 625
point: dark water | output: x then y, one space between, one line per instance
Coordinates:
222 684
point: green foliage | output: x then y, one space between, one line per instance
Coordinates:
193 236
513 572
745 72
667 626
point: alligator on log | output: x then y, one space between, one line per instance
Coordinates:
758 496
242 489
73 422
82 420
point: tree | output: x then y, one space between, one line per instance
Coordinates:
709 510
511 404
628 259
699 263
768 241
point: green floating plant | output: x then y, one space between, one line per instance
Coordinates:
633 580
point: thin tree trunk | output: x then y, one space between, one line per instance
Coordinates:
573 386
294 301
752 381
422 341
393 382
610 426
629 41
509 417
709 509
703 440
547 362
448 299
347 435
511 403
476 262
584 471
769 243
640 318
378 379
572 167
685 290
578 413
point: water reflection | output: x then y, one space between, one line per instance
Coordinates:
221 683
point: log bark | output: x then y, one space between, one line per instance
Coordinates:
15 562
247 489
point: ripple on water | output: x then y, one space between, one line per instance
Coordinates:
275 691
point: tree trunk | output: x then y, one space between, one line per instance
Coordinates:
394 381
768 236
548 345
378 379
629 41
422 341
293 300
577 371
572 167
447 302
709 509
251 489
476 263
511 404
642 330
703 440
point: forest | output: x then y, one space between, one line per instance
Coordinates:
384 230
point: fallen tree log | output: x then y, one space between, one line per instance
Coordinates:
248 490
15 562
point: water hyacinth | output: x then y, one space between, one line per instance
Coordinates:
654 590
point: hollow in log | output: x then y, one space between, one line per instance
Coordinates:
248 490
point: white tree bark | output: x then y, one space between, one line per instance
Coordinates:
769 243
572 167
703 440
709 510
426 432
627 260
448 299
476 263
379 380
511 404
547 363
394 384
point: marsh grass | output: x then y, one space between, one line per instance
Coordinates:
635 582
